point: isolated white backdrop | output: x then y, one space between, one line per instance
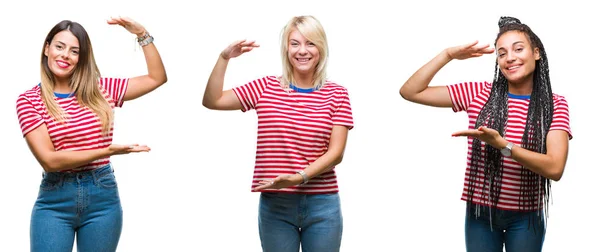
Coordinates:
402 173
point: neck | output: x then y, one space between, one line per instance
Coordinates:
62 86
522 88
303 80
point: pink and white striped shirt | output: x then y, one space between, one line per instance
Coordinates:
81 130
294 129
470 97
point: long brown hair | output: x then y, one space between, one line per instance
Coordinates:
83 81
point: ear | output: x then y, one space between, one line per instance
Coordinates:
536 53
46 49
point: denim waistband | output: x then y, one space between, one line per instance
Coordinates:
95 173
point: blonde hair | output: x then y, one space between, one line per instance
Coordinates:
83 82
313 31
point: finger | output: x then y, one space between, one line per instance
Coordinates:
246 49
467 133
488 50
469 45
126 20
265 184
249 43
238 42
142 148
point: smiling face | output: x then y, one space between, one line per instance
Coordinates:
302 54
62 54
516 57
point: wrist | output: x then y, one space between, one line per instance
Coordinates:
140 35
303 177
501 143
107 152
222 55
446 55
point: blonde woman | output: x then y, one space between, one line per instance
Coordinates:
303 122
67 122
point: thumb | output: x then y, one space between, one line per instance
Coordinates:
485 129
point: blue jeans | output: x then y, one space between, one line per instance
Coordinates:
286 221
86 203
509 228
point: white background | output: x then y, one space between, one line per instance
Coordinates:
402 174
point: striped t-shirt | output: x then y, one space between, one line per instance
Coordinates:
294 129
470 97
81 130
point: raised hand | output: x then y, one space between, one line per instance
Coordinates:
282 181
238 48
128 24
470 50
118 149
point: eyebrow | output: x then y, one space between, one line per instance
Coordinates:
516 42
62 43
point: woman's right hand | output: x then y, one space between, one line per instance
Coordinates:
470 50
118 149
238 48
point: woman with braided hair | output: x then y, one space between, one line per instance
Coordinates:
518 137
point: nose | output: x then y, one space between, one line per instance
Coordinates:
64 54
302 49
510 57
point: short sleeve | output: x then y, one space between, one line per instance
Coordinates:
343 112
115 88
560 116
29 117
250 93
462 94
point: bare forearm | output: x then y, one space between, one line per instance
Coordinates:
64 160
214 87
420 80
539 163
323 164
545 165
156 69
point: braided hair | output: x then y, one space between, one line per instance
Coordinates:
494 114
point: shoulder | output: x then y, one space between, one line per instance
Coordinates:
32 93
334 86
558 98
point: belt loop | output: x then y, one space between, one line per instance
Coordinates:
61 181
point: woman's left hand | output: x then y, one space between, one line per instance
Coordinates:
128 24
487 135
282 181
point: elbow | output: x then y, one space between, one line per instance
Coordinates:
207 104
556 173
49 166
556 176
338 159
404 93
161 79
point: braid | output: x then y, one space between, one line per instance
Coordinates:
494 115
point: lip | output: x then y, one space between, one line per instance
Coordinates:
513 68
303 60
63 64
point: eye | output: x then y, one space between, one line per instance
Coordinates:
59 47
519 49
311 44
75 52
500 55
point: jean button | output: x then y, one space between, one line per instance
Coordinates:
80 176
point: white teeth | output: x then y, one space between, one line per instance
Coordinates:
513 67
302 60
